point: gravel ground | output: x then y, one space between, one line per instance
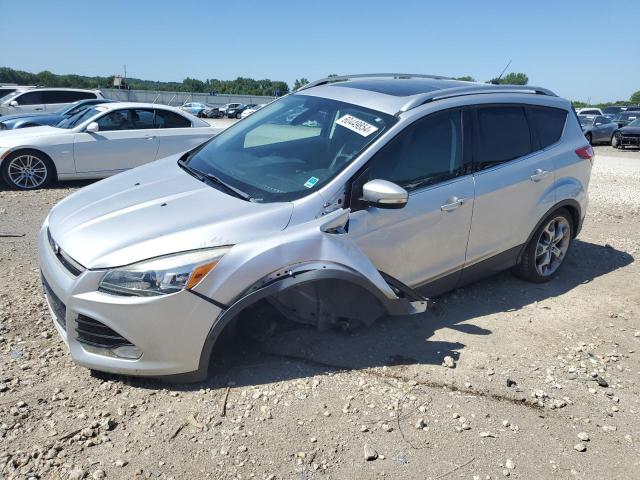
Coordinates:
543 380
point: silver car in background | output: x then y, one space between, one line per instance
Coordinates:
349 200
36 100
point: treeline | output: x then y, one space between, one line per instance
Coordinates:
239 86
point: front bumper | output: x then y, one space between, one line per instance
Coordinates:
169 330
629 140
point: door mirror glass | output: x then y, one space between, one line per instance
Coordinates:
92 127
14 103
384 194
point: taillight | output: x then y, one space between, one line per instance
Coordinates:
586 153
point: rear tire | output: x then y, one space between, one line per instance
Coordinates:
547 250
27 170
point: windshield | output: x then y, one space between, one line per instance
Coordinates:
80 117
628 116
585 120
290 147
635 123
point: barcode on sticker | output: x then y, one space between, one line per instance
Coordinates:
355 124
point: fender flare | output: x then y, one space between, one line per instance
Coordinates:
564 203
224 318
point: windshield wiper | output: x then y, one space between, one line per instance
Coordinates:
209 177
237 192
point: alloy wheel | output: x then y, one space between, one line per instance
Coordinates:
27 171
552 246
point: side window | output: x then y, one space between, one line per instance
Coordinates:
425 153
75 96
167 119
116 120
30 98
549 124
56 96
141 119
502 135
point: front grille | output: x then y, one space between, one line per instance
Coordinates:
73 267
58 307
96 334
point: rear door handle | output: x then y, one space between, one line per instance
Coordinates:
539 174
453 203
151 137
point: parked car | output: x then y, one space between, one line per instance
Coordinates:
249 110
598 129
624 118
627 136
24 120
6 89
611 112
194 108
589 111
237 111
223 109
367 200
97 142
212 111
44 99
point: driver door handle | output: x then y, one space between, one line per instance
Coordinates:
150 137
538 175
453 203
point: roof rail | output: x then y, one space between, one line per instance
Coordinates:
342 78
423 98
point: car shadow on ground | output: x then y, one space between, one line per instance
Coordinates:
57 185
406 340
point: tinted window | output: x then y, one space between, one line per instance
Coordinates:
134 119
601 120
549 124
116 120
167 119
503 134
425 153
30 98
6 91
75 96
141 119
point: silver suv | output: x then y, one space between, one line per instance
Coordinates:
351 199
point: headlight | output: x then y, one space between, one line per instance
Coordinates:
162 275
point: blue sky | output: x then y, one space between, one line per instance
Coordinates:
571 46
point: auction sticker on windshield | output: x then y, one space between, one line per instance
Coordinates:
355 124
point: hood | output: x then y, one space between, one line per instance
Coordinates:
10 138
50 119
154 210
630 130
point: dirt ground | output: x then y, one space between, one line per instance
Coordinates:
546 381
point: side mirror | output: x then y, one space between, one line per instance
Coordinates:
13 103
92 128
384 194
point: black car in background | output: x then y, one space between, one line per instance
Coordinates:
237 111
628 136
23 120
624 118
614 110
212 111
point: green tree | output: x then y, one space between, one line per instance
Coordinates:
514 78
466 78
299 83
635 98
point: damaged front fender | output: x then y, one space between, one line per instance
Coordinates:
305 265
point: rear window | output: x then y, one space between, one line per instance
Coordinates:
167 119
503 135
549 124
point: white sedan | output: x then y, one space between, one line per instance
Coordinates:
98 142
